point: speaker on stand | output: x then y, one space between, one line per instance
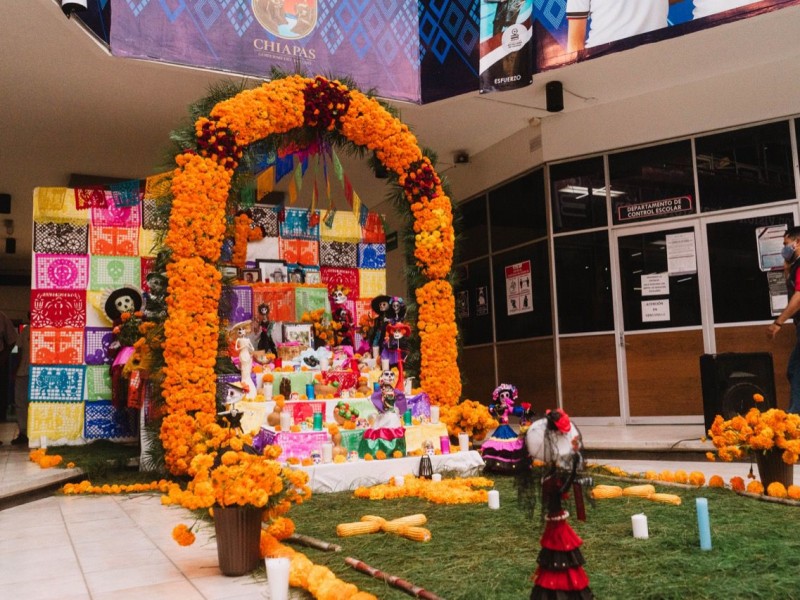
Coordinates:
731 379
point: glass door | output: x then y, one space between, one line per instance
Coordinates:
660 308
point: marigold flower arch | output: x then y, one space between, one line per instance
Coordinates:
200 187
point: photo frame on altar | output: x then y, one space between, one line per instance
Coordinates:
311 275
303 333
296 274
229 272
272 271
251 275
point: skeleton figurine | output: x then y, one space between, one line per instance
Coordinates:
345 335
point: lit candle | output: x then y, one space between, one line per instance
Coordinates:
703 524
463 442
436 477
278 578
639 523
494 499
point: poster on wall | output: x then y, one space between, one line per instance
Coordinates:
482 301
462 304
770 243
778 294
681 254
506 53
566 31
519 293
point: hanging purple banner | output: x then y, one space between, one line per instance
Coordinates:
374 43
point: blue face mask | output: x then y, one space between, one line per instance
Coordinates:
787 252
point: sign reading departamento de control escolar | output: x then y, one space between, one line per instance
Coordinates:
666 207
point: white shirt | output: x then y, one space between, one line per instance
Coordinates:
618 19
703 8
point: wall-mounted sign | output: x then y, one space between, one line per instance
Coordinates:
770 243
655 284
668 207
681 254
482 301
655 310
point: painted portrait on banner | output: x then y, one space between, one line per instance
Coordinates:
287 19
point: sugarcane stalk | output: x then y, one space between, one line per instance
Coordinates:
312 542
392 580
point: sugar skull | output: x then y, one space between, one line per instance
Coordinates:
115 269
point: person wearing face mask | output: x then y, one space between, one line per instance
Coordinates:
791 256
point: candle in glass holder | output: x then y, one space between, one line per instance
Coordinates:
286 420
327 452
463 442
494 499
444 443
434 414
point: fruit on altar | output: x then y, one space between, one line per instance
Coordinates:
339 451
343 412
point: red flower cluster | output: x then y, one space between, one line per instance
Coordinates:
217 142
325 102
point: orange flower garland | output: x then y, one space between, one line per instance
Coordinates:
439 375
241 226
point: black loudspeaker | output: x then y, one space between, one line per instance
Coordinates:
729 381
554 93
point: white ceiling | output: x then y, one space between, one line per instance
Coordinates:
70 107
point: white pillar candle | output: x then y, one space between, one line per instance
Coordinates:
494 499
278 578
436 477
385 364
463 442
286 420
327 452
399 480
43 441
639 523
434 414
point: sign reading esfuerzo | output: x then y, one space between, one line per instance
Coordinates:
655 208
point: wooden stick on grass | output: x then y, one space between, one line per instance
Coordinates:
312 542
392 580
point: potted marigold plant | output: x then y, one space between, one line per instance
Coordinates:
771 436
241 489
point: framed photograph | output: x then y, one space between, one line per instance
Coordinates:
251 275
312 275
272 271
296 274
299 332
229 272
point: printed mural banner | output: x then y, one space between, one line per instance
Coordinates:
506 49
566 31
375 43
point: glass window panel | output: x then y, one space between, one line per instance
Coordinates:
517 211
514 318
473 231
578 195
474 303
652 183
646 254
739 288
583 281
745 167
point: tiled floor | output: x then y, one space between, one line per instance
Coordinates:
120 547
